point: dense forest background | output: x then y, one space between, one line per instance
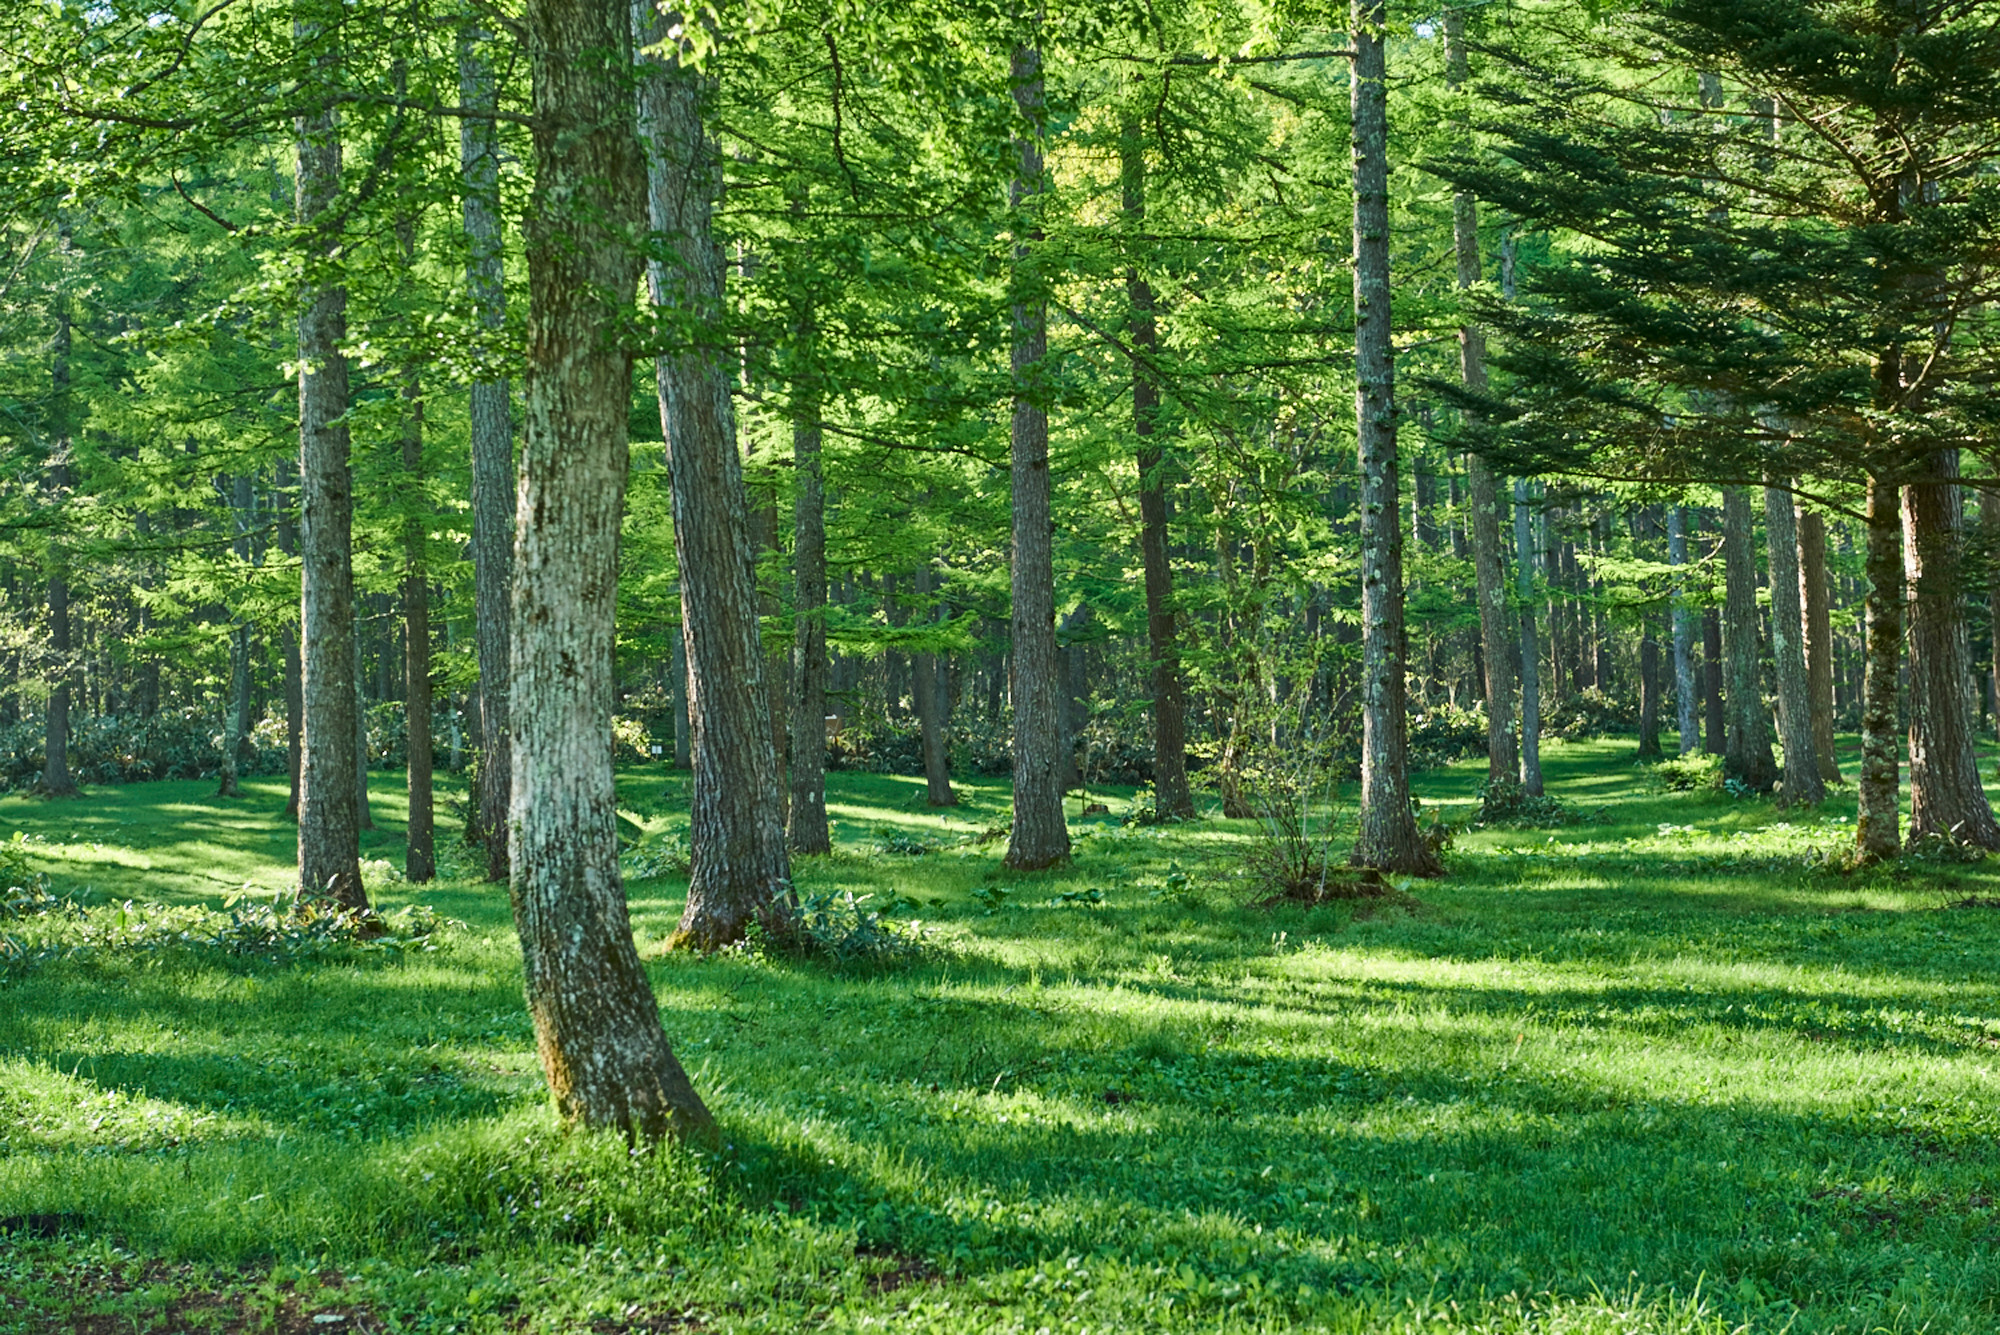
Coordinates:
1690 387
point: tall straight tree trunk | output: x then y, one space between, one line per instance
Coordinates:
1877 824
236 721
364 818
1649 694
492 432
597 1025
329 830
1711 666
57 781
1497 647
1795 710
285 500
1531 651
420 855
1946 796
805 825
1747 758
683 726
1171 795
1039 836
736 827
1989 521
1687 697
927 694
1817 628
1388 837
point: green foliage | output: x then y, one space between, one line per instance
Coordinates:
1695 772
1506 803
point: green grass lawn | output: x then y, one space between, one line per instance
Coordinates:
1658 1071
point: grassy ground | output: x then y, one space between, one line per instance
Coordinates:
1655 1072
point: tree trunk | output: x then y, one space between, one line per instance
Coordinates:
683 727
597 1026
236 721
57 781
1795 706
492 432
1817 628
1687 696
364 818
736 829
1040 835
806 826
1878 819
927 694
1171 795
1711 661
329 833
1989 520
420 855
1388 838
1497 648
1747 758
1531 651
1946 796
1649 694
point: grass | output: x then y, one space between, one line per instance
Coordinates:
1660 1071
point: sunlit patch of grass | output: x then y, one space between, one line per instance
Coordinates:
1666 1071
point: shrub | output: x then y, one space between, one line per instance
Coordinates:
843 928
1507 803
1695 772
1445 734
1592 713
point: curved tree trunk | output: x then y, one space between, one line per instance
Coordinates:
1877 825
329 831
1795 705
736 829
1817 628
492 432
1946 796
1388 839
805 825
1747 758
1171 794
1039 836
597 1026
1687 696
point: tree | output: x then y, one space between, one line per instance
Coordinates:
1795 707
1687 697
735 827
1389 840
1747 740
597 1026
329 815
1039 836
492 439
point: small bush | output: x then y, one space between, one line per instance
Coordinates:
843 928
903 844
1445 734
1506 803
671 856
1695 772
1592 713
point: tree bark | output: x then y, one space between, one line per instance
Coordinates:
492 433
1817 627
806 830
736 829
329 833
1039 836
927 694
1171 794
236 720
1795 707
1388 837
1497 646
1687 697
57 781
1878 819
1649 694
420 855
1989 520
597 1026
1747 758
363 817
683 727
1531 652
1946 796
285 500
1711 663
